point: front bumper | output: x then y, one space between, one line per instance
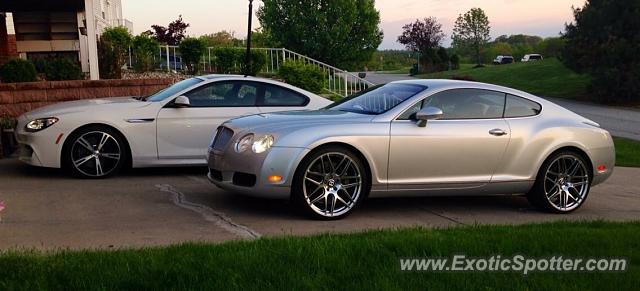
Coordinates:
41 148
247 172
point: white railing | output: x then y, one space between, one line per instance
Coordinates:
337 81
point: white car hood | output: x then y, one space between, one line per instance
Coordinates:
116 104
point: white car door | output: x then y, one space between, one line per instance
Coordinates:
185 132
276 98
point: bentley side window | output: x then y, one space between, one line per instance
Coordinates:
462 104
520 107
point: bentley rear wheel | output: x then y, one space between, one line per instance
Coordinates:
563 183
330 183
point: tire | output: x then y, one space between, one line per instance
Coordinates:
343 183
94 152
562 184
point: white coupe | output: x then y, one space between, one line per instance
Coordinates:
96 138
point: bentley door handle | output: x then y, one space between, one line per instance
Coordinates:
497 132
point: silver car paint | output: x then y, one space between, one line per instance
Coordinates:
447 157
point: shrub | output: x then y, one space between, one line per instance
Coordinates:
192 50
107 60
7 122
62 69
226 59
302 75
18 70
455 62
258 61
144 48
112 50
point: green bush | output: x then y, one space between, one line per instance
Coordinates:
258 62
455 62
144 48
18 70
62 69
7 122
302 75
107 60
226 59
192 50
232 60
113 48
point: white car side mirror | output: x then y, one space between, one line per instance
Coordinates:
182 101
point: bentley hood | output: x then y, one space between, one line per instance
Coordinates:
290 120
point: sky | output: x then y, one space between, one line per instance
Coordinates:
535 17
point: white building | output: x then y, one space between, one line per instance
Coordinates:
36 29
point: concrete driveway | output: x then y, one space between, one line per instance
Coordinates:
150 207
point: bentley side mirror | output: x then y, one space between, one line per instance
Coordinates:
182 101
428 113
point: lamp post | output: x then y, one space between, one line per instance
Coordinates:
248 56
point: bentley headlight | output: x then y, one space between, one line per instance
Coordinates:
262 144
40 124
244 143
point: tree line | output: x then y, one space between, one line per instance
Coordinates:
602 41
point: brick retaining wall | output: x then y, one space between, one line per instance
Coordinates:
18 98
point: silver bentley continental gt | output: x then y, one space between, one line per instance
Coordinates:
415 138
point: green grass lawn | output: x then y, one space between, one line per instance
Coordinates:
627 152
404 70
360 261
548 78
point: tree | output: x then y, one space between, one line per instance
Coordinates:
551 47
144 48
343 33
192 50
218 39
519 39
260 38
171 35
603 42
471 32
423 37
112 51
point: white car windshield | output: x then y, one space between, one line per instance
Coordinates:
378 99
173 89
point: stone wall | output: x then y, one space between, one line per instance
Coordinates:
18 98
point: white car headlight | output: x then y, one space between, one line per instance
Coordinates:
262 144
244 143
40 124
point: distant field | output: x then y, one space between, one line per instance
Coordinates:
549 78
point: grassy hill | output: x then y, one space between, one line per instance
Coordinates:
548 78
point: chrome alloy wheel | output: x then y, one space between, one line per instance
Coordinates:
566 183
332 184
96 154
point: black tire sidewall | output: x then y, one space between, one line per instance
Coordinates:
67 163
